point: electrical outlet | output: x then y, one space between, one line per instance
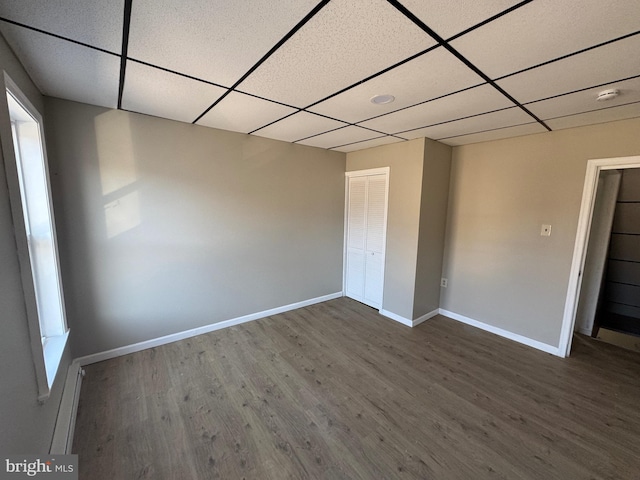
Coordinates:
545 231
444 282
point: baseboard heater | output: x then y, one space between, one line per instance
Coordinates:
66 421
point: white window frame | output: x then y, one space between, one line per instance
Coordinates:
46 351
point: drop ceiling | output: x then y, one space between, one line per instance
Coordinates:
304 71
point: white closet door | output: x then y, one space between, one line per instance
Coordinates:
366 230
375 230
356 224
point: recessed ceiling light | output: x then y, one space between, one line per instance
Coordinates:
382 99
608 94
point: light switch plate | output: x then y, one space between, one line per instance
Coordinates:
545 231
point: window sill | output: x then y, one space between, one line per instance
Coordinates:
53 348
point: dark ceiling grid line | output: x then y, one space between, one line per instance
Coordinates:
275 121
168 70
126 24
346 124
487 130
322 133
372 130
359 141
60 37
357 124
594 110
456 119
413 57
398 64
266 99
489 20
422 103
273 49
406 12
568 55
369 139
582 90
371 77
202 80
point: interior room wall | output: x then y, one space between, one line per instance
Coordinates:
500 270
433 218
168 226
405 162
25 425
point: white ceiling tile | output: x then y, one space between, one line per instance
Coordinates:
340 137
215 40
415 81
242 113
94 22
449 17
476 100
544 30
344 43
163 94
490 121
376 142
596 67
585 100
508 132
622 112
66 70
299 126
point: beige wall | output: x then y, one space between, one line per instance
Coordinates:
500 270
168 226
25 425
433 217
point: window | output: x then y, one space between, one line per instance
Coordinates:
29 191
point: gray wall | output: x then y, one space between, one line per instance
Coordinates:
25 425
169 226
433 219
405 183
500 270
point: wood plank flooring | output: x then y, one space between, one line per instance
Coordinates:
335 391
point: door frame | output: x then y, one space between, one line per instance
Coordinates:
594 167
364 173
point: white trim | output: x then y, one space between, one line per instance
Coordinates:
425 317
174 337
585 331
370 171
45 360
67 413
386 171
406 321
582 237
503 333
53 349
396 317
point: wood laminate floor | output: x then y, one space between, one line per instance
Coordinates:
335 391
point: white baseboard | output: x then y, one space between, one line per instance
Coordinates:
396 317
174 337
585 331
66 420
425 317
503 333
406 321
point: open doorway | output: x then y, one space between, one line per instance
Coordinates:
609 299
585 223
